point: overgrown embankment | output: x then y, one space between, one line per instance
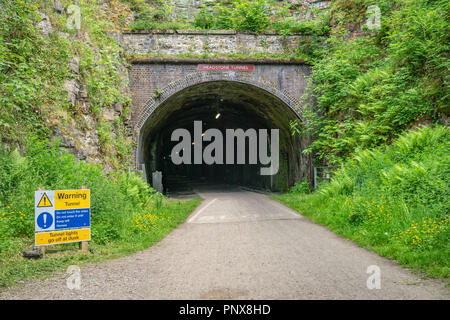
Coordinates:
393 200
64 89
372 87
257 16
63 80
127 214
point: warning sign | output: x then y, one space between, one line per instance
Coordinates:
44 211
72 199
44 202
59 210
58 237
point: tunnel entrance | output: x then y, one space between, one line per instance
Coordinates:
220 105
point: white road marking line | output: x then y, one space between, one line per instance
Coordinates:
286 208
201 210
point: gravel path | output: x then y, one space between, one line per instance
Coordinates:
240 245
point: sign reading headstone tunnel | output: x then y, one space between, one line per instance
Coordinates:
225 67
62 216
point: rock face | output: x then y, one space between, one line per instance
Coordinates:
72 86
80 137
58 7
44 25
75 65
108 115
83 144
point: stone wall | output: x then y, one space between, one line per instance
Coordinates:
214 42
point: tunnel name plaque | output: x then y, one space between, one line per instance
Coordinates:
225 67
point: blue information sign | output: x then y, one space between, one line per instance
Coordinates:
44 220
72 218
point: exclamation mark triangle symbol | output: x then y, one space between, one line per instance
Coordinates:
44 202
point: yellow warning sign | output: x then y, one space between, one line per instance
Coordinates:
66 236
44 202
72 199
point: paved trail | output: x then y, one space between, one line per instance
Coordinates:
240 245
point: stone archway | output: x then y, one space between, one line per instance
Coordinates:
277 108
201 77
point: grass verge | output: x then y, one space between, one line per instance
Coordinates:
151 228
393 200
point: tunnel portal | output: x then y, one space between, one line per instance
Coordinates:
220 105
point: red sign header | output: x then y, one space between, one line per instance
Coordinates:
225 67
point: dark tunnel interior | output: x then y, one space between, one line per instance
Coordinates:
219 105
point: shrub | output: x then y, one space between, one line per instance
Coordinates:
205 18
394 199
390 189
301 187
114 198
372 87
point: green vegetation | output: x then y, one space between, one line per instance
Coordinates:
127 214
237 15
34 67
370 88
155 15
30 71
256 16
276 57
393 200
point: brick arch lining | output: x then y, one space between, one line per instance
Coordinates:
203 77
